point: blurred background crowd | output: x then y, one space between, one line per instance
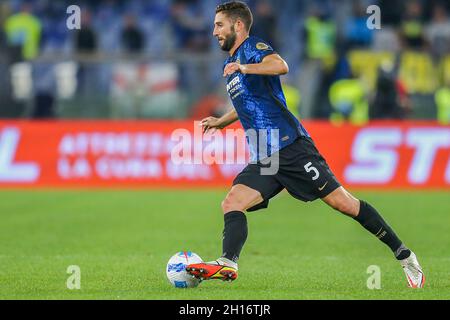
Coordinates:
158 59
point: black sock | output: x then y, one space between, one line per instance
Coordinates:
234 234
371 220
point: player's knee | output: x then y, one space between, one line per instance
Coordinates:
225 205
345 206
232 204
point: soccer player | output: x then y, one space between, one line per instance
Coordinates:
252 71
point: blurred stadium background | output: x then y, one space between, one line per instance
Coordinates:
96 107
158 59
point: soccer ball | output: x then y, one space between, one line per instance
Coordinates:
176 269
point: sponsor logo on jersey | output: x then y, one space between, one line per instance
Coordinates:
234 87
235 81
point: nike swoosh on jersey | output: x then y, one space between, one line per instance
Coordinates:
323 187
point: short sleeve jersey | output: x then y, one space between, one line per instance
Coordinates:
260 103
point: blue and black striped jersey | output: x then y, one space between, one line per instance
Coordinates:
260 103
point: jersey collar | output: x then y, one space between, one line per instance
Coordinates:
237 49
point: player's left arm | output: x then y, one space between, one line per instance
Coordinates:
271 65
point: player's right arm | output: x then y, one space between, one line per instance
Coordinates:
219 123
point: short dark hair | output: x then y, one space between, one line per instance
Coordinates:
237 10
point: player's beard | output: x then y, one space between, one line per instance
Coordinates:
229 40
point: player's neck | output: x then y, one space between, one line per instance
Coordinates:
237 44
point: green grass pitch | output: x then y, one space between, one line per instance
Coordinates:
122 240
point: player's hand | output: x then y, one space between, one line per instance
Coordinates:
234 67
210 123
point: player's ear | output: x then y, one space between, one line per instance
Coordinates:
239 25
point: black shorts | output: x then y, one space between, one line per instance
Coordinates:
302 171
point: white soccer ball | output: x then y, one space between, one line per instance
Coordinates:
176 269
